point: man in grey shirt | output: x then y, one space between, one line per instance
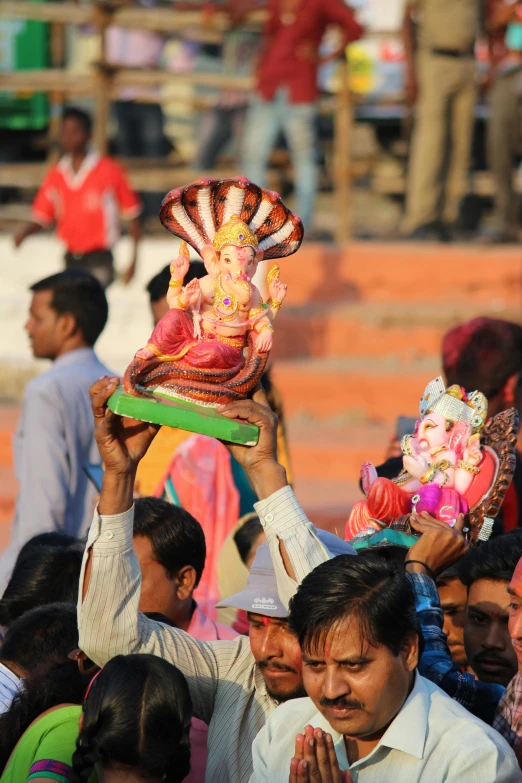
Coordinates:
55 435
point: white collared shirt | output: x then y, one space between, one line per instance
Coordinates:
431 739
10 684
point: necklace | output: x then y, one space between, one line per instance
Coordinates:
225 305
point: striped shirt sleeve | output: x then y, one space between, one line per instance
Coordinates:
284 520
110 624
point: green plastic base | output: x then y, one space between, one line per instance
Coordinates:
384 538
183 415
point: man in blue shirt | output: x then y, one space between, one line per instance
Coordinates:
486 571
54 439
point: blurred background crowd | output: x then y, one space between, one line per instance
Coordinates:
423 120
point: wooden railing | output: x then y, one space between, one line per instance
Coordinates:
104 81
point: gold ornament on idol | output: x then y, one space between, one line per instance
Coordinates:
273 274
235 232
225 305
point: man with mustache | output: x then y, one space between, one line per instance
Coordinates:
234 685
369 711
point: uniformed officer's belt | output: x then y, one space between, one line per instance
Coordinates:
461 53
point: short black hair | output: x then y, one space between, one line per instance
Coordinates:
43 575
79 293
74 113
51 539
41 636
247 534
495 559
159 285
374 591
449 573
177 538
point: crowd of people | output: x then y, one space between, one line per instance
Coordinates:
445 78
323 665
168 611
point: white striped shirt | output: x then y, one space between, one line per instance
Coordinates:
227 689
10 684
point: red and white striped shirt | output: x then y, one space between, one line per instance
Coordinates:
86 205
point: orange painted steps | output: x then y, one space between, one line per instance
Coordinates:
407 331
333 450
327 503
366 390
384 272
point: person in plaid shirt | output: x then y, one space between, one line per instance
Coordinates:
508 719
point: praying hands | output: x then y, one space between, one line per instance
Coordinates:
315 760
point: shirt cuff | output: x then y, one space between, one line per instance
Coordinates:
131 212
41 219
111 533
281 513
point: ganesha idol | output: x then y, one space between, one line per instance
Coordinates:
450 466
197 350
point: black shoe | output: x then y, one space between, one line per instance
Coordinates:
426 233
445 233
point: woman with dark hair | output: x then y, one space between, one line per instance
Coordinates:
135 723
39 731
42 575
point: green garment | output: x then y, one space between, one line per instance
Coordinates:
45 750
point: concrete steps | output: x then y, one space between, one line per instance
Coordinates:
354 390
413 272
404 331
356 341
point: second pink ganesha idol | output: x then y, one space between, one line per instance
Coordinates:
446 470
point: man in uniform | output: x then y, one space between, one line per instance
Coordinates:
439 40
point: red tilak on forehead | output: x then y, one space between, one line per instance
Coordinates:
266 620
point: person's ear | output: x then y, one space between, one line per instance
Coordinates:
66 326
186 577
410 651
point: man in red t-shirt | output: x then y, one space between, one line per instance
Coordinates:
85 194
286 94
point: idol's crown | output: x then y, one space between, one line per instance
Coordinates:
235 232
454 404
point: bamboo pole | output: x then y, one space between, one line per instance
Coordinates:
159 19
342 168
103 84
73 83
56 97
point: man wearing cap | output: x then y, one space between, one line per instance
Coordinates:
234 685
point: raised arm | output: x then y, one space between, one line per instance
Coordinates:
439 547
108 618
294 545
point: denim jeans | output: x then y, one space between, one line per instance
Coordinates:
265 119
140 135
220 128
